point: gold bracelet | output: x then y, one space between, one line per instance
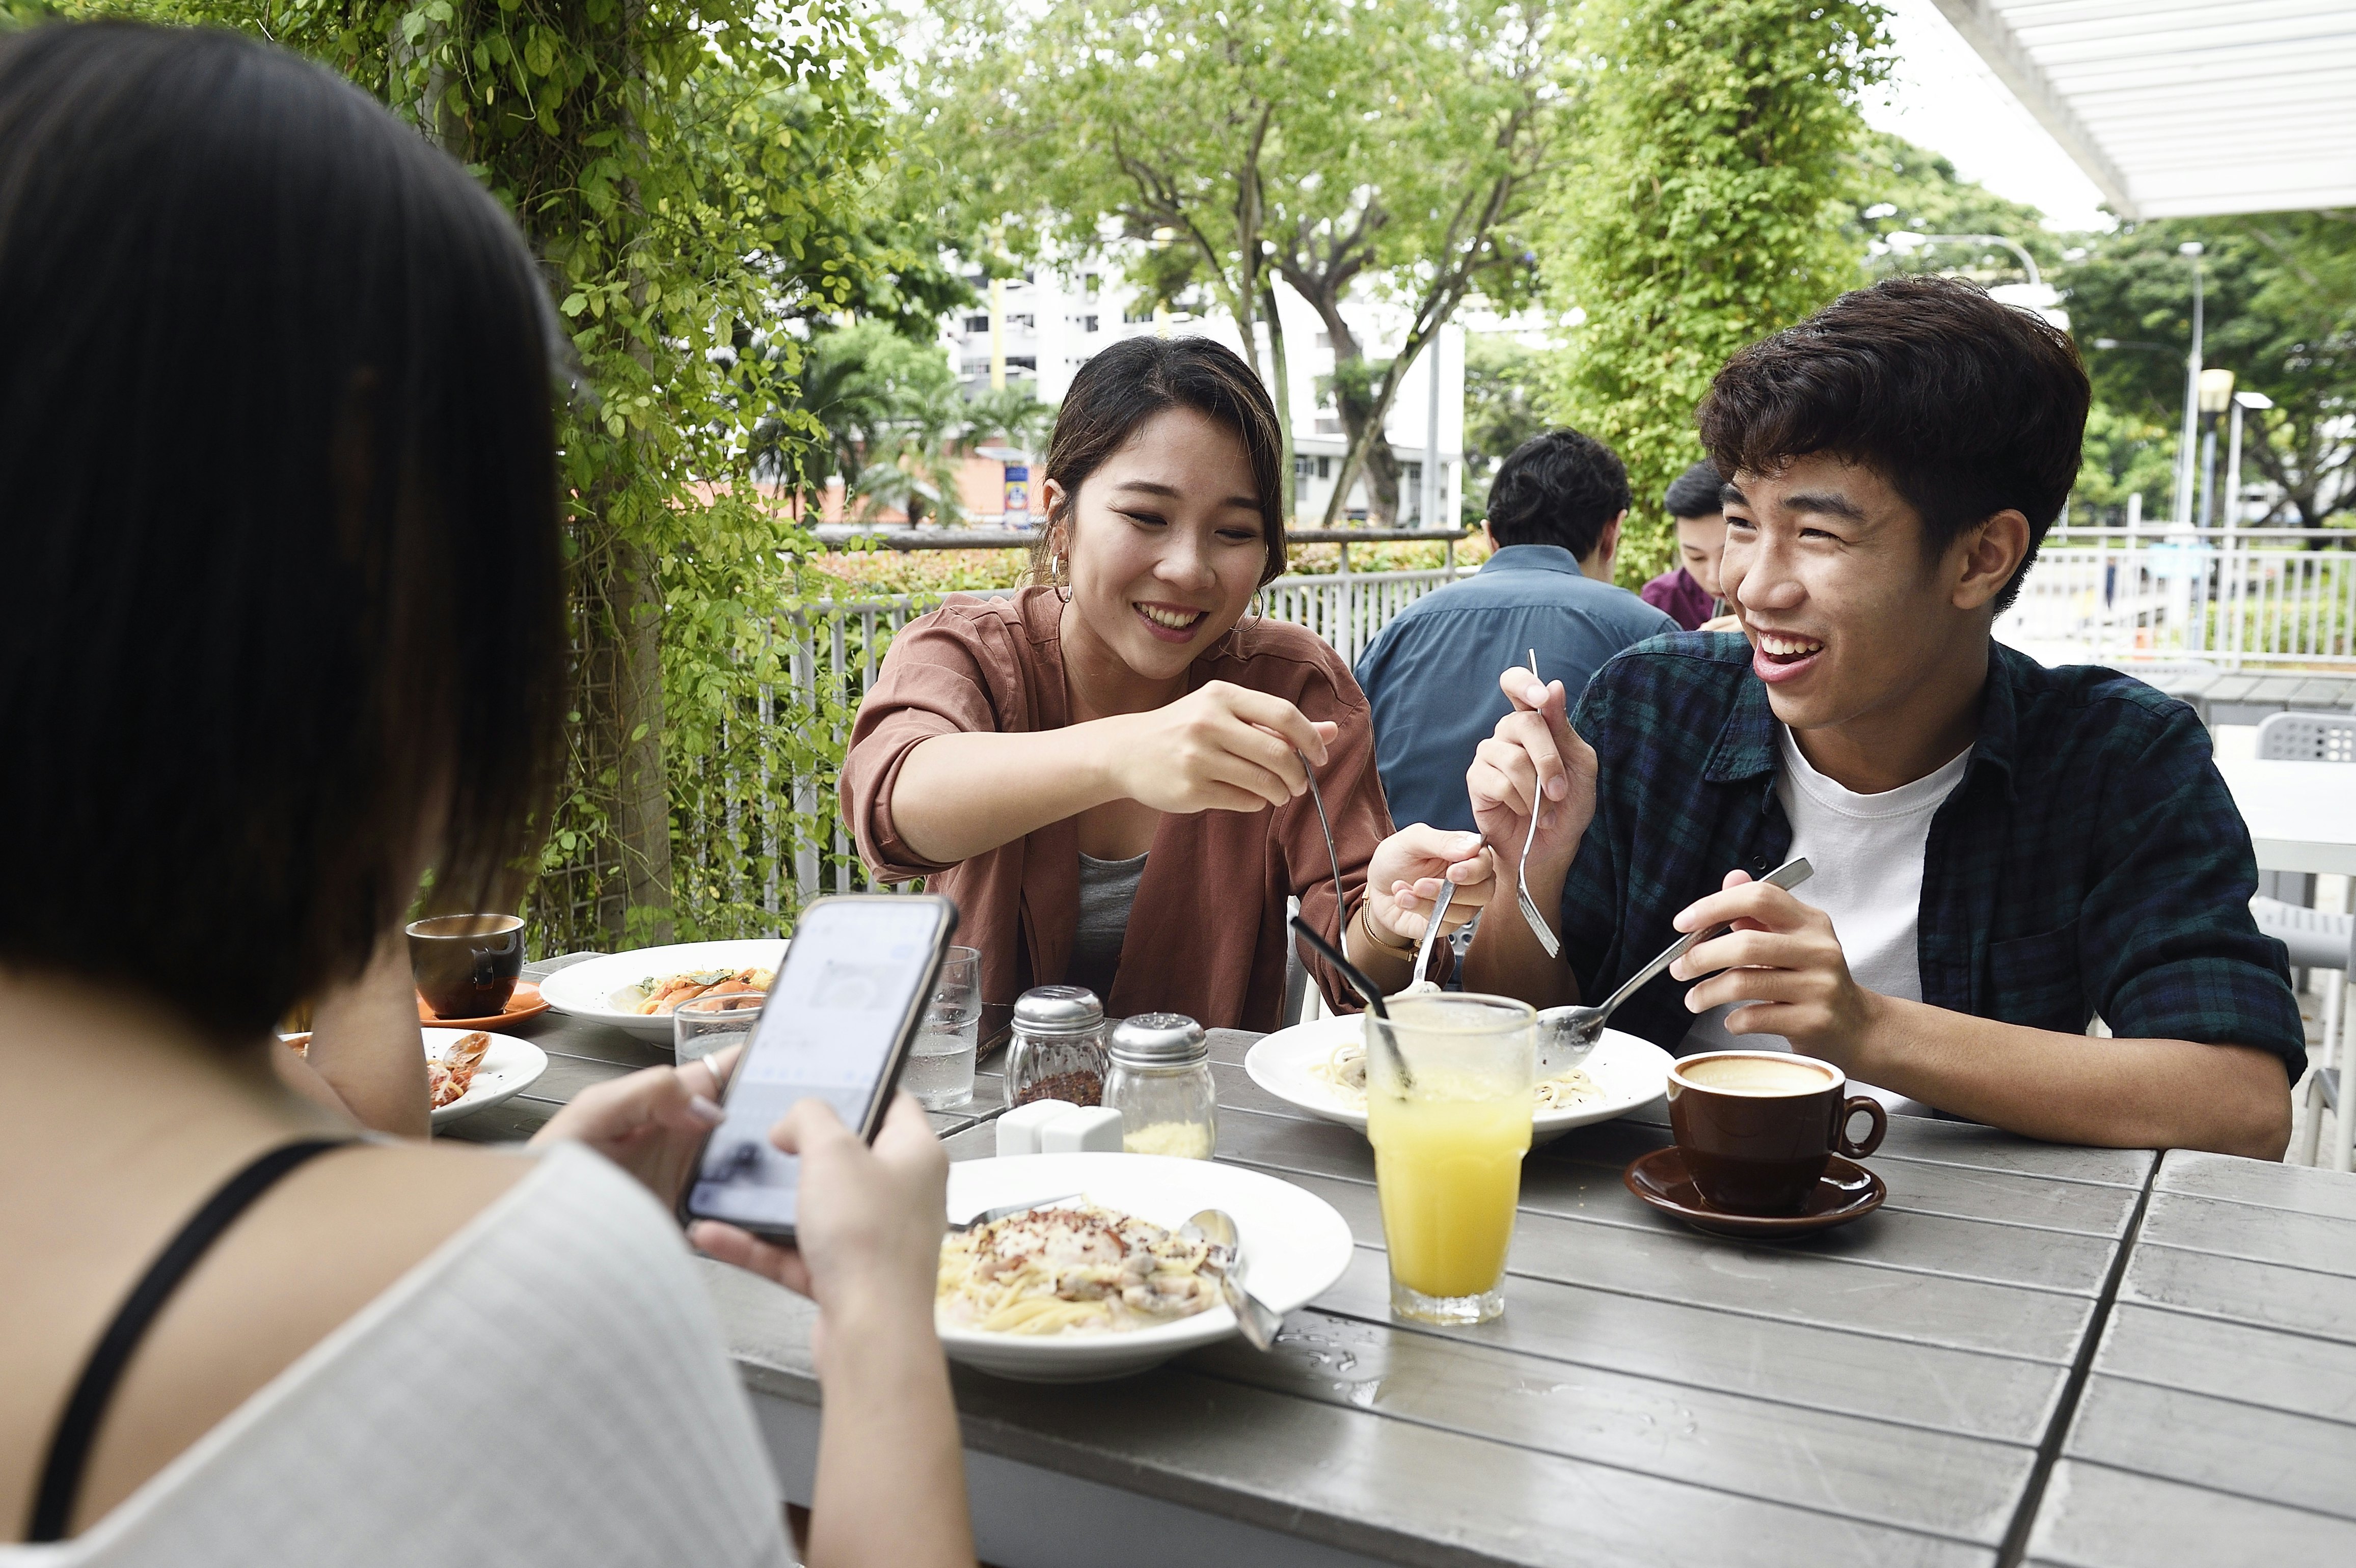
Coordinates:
1366 922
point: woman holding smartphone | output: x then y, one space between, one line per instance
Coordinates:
297 643
1109 771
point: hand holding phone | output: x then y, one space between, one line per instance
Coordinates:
843 1010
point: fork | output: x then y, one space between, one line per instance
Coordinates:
1431 934
1537 923
988 1216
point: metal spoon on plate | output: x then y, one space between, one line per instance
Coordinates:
1258 1320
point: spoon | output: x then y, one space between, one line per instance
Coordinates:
1566 1035
1258 1320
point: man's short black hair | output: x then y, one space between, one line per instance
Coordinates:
1559 488
1696 492
1968 406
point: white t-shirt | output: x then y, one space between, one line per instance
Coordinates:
1867 852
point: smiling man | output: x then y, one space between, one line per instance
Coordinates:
2003 852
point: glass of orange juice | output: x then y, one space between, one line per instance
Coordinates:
1449 1139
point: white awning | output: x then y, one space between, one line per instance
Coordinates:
2185 108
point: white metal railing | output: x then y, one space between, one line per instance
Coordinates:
835 647
2236 597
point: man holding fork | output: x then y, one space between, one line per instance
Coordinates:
2003 853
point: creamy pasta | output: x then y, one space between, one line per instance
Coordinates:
1345 1073
1073 1269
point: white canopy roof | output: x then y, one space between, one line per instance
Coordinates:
2185 108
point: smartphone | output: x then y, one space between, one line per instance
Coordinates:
843 1010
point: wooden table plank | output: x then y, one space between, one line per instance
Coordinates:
1758 1280
2324 1243
1348 1477
2096 1517
2270 1295
2292 1372
2221 1444
1896 1381
1811 1458
2300 1189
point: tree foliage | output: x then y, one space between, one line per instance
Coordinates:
1336 142
2279 307
695 176
1705 212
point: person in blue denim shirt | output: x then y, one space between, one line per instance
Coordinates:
2003 852
1555 513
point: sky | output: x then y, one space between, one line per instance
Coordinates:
1944 97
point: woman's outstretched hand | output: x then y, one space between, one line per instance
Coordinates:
1219 748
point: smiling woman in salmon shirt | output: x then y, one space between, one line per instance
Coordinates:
1106 770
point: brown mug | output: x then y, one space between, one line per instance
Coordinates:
1758 1127
467 966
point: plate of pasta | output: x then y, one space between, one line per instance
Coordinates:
1320 1067
638 991
1102 1279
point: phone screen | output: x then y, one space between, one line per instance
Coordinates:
851 985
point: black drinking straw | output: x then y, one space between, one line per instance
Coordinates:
1366 989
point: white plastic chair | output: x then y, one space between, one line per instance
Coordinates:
2326 942
2297 737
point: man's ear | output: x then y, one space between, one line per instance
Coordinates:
1607 544
1986 557
1487 537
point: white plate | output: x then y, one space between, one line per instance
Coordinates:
507 1069
1294 1247
1631 1072
585 990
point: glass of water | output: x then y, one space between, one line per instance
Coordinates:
940 1067
714 1023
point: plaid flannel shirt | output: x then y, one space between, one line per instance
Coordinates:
2091 861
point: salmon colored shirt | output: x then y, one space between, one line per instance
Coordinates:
1207 936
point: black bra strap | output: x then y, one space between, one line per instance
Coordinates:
53 1504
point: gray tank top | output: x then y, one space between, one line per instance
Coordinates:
1107 888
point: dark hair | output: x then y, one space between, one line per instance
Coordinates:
1966 405
275 433
1121 386
1696 492
1561 487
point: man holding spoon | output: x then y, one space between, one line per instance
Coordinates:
2003 852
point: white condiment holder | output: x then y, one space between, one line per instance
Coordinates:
1058 1126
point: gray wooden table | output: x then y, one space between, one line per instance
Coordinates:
2219 1424
1892 1393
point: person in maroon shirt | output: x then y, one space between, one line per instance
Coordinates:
1688 593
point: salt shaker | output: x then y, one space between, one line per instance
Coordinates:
1056 1052
1161 1085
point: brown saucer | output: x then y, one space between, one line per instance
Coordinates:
1846 1191
527 1002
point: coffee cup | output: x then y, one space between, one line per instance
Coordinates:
467 966
1758 1127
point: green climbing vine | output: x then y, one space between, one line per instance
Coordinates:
702 180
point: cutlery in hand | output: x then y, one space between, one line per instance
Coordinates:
1566 1034
1537 923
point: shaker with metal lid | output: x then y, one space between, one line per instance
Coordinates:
1056 1050
1161 1085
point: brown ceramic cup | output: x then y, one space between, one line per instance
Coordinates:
467 966
1758 1127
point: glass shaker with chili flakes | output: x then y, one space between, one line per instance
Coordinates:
1057 1048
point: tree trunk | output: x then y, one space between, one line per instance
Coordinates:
1362 424
1279 389
641 788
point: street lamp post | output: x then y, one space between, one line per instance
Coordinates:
2036 294
2252 400
2191 248
2216 396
